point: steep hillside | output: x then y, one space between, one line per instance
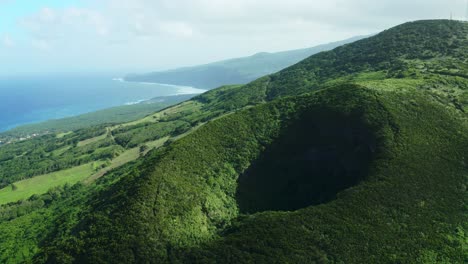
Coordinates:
234 71
216 193
356 155
405 204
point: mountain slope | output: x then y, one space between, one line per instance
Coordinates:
403 201
357 155
407 208
234 71
414 51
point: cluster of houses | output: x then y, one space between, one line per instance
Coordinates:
9 141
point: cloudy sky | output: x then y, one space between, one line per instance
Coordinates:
55 36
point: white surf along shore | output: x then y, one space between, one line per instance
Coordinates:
181 90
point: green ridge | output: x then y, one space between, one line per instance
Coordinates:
357 155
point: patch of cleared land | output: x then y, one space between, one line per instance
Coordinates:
87 173
185 106
60 151
61 135
125 157
41 184
91 140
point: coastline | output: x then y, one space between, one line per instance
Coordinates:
12 134
181 89
43 115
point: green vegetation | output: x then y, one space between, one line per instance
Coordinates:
357 155
52 153
90 140
41 184
113 115
49 154
409 203
24 189
61 135
24 225
126 157
235 71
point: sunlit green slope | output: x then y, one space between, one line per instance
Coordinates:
357 155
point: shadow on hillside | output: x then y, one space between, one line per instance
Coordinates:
315 157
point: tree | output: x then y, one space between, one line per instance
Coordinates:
143 148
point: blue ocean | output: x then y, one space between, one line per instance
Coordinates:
34 99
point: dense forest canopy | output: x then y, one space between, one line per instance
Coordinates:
355 155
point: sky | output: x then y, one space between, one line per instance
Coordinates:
132 36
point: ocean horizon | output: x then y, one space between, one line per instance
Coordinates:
30 100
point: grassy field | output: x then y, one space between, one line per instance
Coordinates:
86 173
91 140
61 135
387 158
189 106
156 144
127 156
41 184
60 151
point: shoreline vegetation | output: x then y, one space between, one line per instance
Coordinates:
123 113
259 65
354 155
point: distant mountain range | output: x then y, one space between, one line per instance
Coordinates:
235 71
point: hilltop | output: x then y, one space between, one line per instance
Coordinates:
355 155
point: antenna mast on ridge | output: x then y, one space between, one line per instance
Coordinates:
466 14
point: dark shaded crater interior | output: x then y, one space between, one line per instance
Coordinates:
315 157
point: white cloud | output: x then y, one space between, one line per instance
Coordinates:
47 15
120 19
51 23
178 29
7 41
41 44
345 13
170 33
268 18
